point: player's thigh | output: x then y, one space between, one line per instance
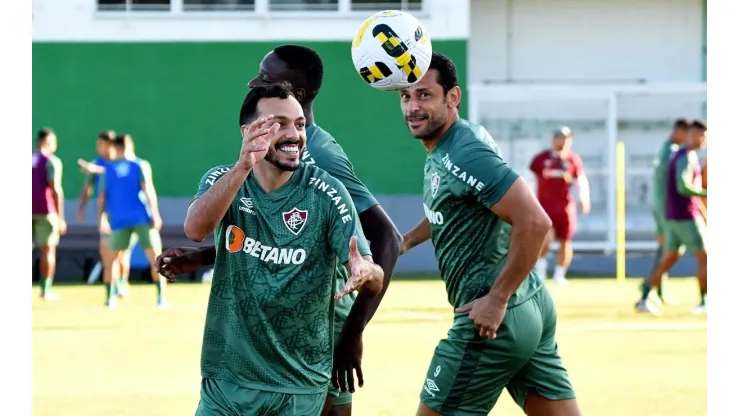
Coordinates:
300 404
544 373
213 401
695 235
45 230
672 237
149 238
120 240
660 223
467 373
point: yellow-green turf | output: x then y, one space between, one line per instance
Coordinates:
139 361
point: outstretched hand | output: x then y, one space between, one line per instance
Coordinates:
362 272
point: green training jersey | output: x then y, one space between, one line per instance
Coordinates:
464 176
323 151
269 323
660 174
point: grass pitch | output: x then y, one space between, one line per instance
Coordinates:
140 361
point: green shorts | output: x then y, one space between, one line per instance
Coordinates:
121 240
688 234
45 229
468 373
660 222
222 398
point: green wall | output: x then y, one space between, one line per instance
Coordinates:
180 101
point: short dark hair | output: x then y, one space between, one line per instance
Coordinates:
681 123
107 135
446 71
306 61
43 134
119 140
248 112
699 124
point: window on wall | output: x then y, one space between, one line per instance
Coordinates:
134 5
217 5
303 5
379 5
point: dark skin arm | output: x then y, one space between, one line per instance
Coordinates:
385 245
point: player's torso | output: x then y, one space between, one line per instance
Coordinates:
678 206
124 204
660 171
470 242
273 283
41 192
558 174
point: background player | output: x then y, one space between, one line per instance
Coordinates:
128 213
660 180
47 207
302 67
685 225
487 229
556 169
278 361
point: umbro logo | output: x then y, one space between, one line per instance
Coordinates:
246 205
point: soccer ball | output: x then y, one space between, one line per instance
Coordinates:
391 50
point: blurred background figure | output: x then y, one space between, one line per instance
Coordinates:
556 170
47 206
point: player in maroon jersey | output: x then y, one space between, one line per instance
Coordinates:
556 170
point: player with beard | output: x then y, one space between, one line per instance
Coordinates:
281 228
487 229
302 67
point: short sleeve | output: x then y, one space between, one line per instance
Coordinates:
536 165
210 178
335 162
343 224
483 173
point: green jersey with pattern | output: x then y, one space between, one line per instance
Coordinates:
660 174
464 176
269 323
323 151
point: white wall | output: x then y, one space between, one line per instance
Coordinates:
77 20
585 40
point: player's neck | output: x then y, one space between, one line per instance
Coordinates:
308 113
270 177
431 143
45 151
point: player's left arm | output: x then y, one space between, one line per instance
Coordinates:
147 185
509 197
54 169
685 169
352 249
385 240
584 191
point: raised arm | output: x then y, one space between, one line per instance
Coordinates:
218 189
